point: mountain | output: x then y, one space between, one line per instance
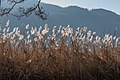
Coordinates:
100 20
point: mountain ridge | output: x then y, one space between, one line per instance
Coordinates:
99 20
74 6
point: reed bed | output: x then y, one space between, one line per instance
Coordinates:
60 54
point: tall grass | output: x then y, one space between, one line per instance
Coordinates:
63 54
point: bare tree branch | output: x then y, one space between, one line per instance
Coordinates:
39 11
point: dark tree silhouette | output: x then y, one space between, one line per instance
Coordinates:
39 11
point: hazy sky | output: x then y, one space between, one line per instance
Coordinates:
113 5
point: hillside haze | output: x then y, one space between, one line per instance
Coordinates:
100 20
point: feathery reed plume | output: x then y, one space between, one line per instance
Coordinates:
63 54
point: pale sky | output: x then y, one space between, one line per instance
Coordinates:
113 5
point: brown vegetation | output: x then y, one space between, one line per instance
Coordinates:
68 61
